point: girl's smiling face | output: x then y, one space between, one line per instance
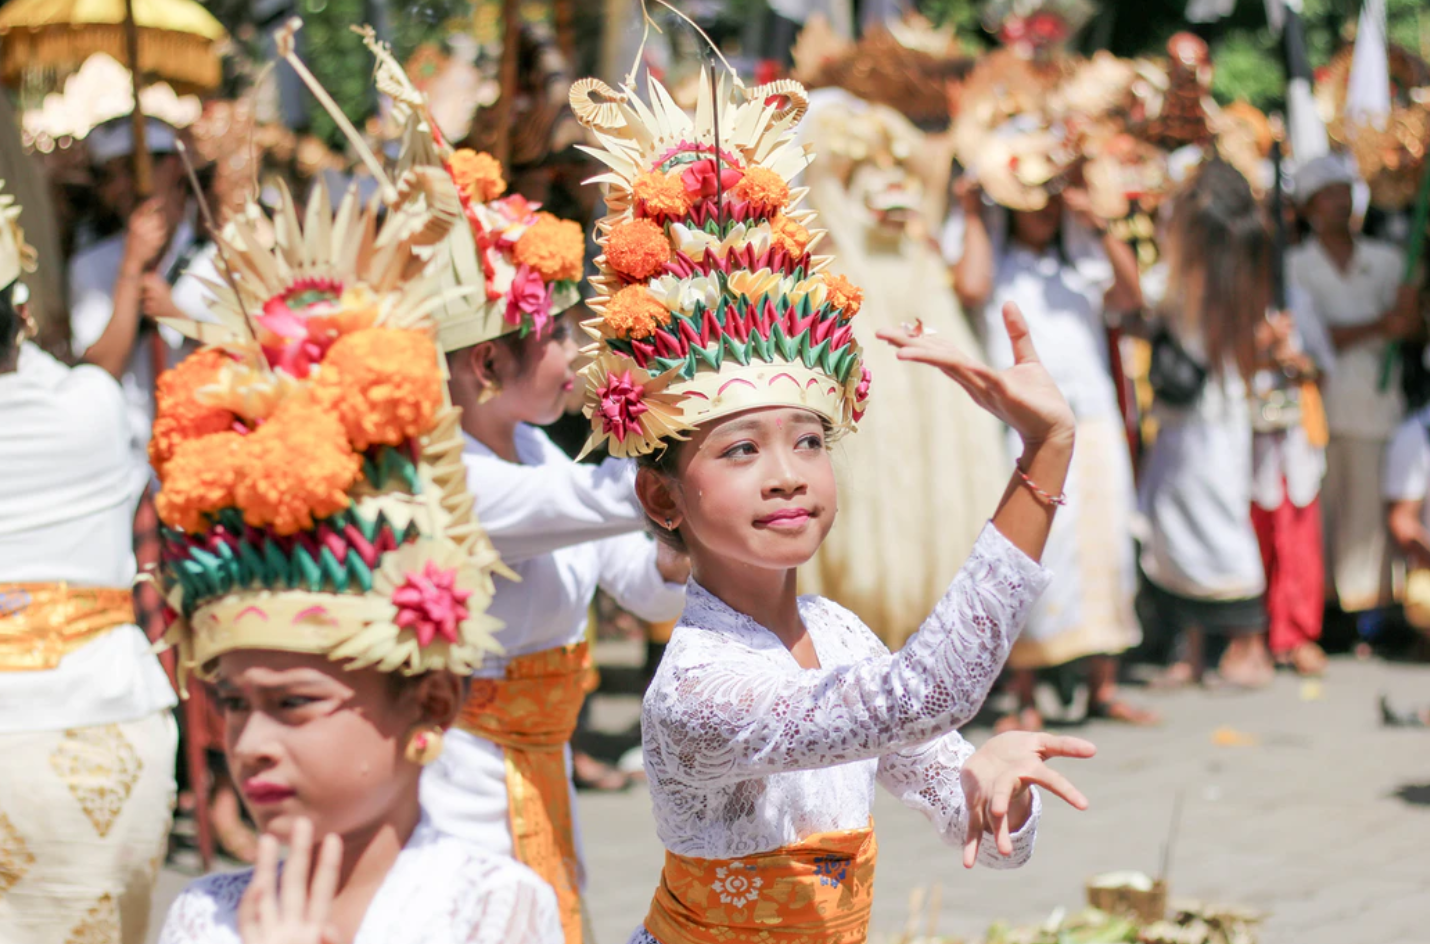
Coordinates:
753 490
305 737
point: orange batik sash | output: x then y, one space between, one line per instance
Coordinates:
819 889
532 713
41 623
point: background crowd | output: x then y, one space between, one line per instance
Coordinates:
1249 488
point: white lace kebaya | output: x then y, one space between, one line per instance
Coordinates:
747 752
441 890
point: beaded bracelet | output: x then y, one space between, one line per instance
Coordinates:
1058 500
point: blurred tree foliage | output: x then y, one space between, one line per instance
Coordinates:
1246 55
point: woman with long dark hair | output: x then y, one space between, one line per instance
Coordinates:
1200 552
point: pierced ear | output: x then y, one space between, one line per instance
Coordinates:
658 497
439 697
484 362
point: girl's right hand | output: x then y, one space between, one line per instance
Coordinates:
1024 396
294 913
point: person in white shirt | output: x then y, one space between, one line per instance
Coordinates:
1405 488
86 731
1355 286
125 277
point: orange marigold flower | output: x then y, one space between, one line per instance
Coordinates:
554 248
662 194
634 313
296 467
844 294
765 190
178 414
637 249
385 383
478 174
790 235
199 478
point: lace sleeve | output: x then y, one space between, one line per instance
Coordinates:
718 720
511 907
928 778
206 911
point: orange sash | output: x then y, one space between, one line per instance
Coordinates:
820 889
532 714
41 623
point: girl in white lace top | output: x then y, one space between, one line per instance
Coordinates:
772 715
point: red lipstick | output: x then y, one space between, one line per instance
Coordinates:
263 793
785 518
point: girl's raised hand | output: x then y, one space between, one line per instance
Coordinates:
293 911
1024 396
996 779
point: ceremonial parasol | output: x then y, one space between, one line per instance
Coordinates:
176 40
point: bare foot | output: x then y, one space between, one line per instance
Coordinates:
1028 719
1116 709
1309 659
1175 676
591 774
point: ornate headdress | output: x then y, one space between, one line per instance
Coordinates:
16 256
524 265
313 494
709 301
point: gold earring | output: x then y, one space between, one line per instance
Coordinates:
31 328
489 392
424 744
669 525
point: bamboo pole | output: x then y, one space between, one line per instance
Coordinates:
143 171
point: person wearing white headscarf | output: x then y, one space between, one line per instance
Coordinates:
1354 287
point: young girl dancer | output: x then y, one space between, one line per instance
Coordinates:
725 359
504 782
327 573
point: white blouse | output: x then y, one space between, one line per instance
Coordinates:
67 513
565 529
440 891
748 752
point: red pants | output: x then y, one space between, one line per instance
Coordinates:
1290 540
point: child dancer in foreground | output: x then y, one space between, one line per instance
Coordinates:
328 575
725 361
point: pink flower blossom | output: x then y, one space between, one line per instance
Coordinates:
621 405
861 393
699 178
287 344
517 209
528 297
429 604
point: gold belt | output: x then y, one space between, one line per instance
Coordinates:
532 714
820 889
41 623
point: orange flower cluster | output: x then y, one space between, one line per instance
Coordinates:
844 294
385 385
765 190
199 478
296 467
637 249
789 235
634 313
478 174
553 248
662 194
179 416
357 309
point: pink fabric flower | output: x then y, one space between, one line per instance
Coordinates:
621 405
430 604
288 345
699 178
861 393
528 297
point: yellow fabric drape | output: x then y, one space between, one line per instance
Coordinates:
41 623
532 714
820 889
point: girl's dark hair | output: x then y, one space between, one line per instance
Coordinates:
1219 266
9 324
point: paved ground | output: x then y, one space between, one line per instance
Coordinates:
1323 822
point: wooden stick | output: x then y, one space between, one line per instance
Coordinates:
510 53
143 169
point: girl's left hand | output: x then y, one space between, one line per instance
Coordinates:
293 913
1024 396
997 776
